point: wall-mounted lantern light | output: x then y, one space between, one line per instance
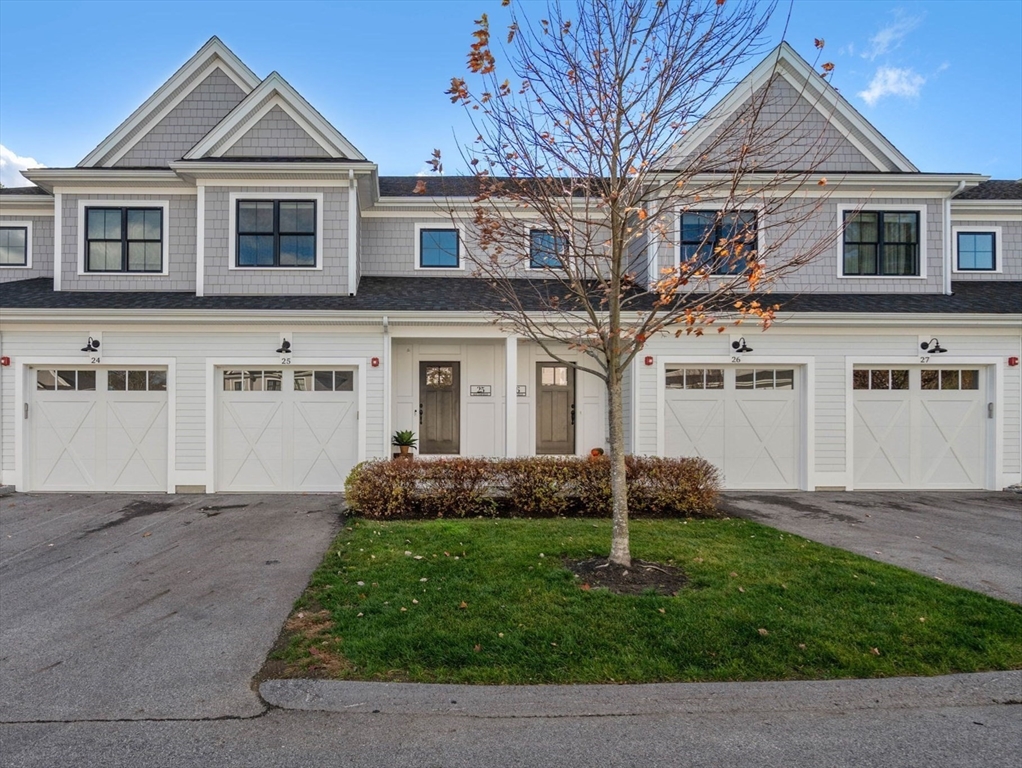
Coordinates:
932 346
740 346
285 348
92 345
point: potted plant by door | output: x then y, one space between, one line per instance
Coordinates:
405 440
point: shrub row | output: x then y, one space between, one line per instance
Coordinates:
531 487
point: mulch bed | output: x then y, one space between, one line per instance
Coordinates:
599 573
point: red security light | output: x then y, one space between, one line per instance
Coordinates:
375 362
648 360
5 361
1012 361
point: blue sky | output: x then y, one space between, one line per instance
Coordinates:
942 80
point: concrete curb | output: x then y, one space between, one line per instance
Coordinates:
654 699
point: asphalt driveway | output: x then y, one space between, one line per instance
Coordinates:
133 607
970 538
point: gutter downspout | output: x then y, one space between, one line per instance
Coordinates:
352 239
947 238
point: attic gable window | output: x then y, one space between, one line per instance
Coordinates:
124 239
722 243
881 244
276 233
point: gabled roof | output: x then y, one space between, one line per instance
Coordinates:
212 56
272 92
784 61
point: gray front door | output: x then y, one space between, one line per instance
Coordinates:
555 409
439 408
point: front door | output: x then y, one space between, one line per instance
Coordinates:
555 409
439 408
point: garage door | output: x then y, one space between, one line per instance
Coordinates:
286 430
919 427
98 429
745 421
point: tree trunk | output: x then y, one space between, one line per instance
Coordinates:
620 550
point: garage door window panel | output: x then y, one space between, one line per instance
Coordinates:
764 378
949 379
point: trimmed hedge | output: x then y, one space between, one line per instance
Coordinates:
531 487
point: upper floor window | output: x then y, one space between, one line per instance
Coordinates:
722 243
123 239
439 248
881 243
276 233
977 251
14 245
546 249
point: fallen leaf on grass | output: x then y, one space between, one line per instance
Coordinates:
661 610
733 575
414 601
585 587
477 648
463 605
802 646
875 651
742 590
762 631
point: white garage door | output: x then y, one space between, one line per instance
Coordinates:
745 421
286 430
98 429
919 427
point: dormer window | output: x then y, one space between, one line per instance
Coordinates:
124 239
14 244
547 249
976 249
718 242
437 247
276 233
881 244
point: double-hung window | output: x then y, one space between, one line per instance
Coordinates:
546 249
14 245
718 242
276 233
439 248
977 251
881 243
124 239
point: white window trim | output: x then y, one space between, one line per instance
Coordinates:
114 203
419 226
232 229
27 224
923 230
758 209
998 261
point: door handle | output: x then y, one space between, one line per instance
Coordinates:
572 414
420 414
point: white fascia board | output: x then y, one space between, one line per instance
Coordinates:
26 205
248 111
214 49
51 179
837 184
986 210
256 173
772 63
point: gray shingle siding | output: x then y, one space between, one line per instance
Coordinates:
332 279
792 133
276 135
179 256
184 125
42 249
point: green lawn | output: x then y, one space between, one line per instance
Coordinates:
489 601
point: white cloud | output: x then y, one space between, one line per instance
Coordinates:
11 166
890 37
893 81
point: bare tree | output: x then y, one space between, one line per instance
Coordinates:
583 171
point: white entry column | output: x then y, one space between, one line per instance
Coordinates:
511 397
